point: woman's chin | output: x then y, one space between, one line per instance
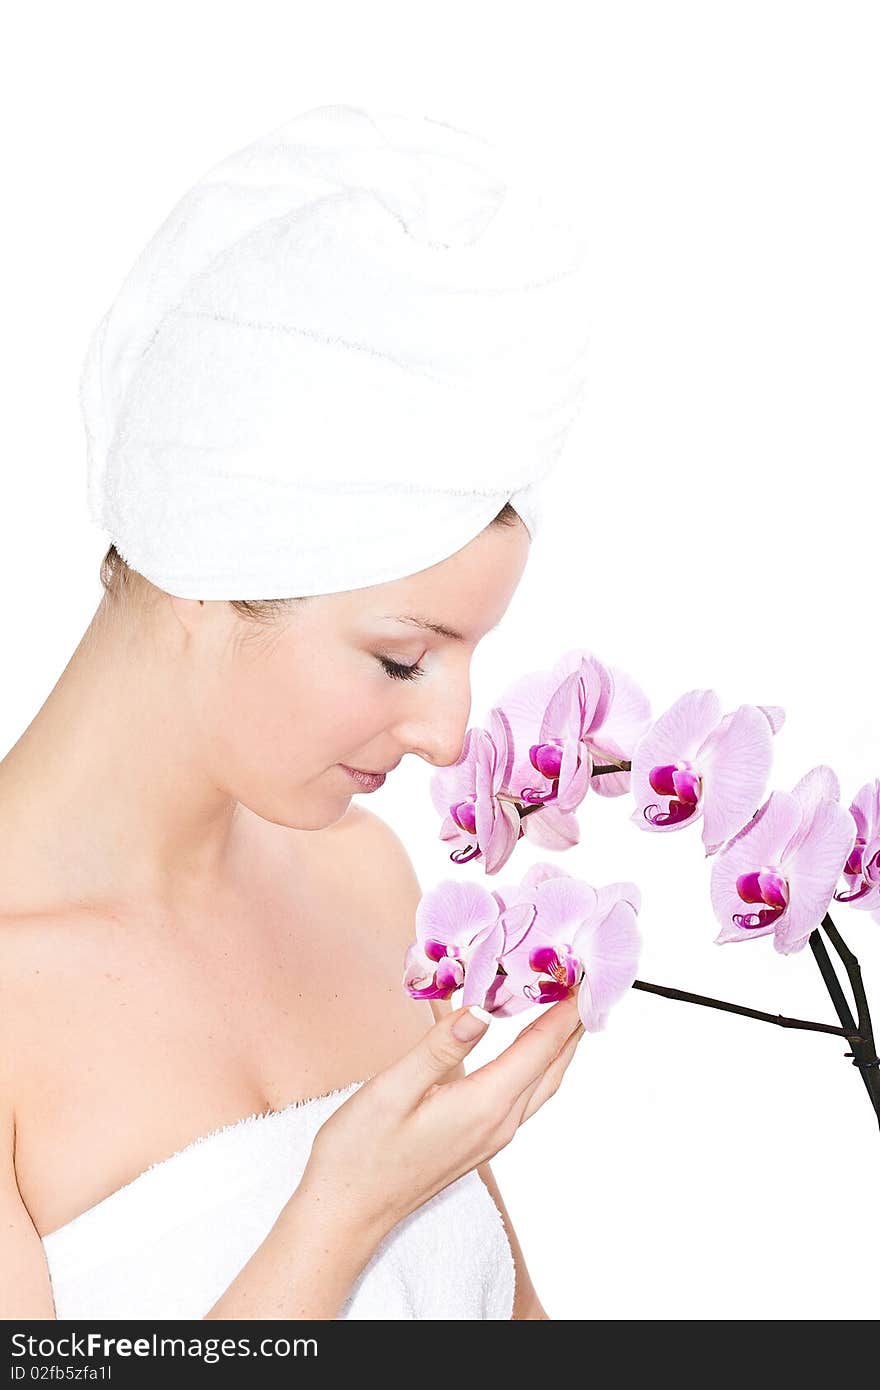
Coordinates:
315 812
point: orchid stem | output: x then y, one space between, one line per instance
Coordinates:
669 993
864 1052
526 809
853 970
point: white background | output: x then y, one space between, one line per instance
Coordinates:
711 522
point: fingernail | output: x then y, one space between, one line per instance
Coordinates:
471 1023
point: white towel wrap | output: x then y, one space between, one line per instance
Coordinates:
168 1243
344 349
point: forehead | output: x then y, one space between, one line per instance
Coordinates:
468 591
457 599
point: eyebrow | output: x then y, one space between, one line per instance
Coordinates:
426 623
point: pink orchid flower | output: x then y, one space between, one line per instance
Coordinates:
617 724
785 862
579 938
862 868
699 763
561 720
460 933
479 817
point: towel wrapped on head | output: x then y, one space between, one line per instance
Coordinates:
347 346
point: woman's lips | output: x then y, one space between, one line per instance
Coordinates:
367 781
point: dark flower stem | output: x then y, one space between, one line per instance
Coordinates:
864 1052
669 993
854 972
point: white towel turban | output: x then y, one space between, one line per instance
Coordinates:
347 346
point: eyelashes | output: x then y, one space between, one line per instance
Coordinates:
398 672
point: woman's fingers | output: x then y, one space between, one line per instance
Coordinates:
440 1051
501 1082
537 1092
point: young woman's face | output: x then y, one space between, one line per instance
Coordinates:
276 711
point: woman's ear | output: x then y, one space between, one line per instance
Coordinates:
188 611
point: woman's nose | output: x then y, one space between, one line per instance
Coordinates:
438 735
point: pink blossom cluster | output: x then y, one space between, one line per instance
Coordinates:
583 726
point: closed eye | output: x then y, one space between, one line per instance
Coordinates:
398 672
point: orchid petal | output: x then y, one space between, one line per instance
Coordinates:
627 719
812 871
574 775
502 841
610 952
417 968
775 716
454 912
563 904
516 921
455 782
817 785
734 763
758 844
482 966
551 828
501 734
674 737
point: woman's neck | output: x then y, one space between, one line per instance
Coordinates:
104 797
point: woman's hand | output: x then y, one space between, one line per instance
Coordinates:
409 1131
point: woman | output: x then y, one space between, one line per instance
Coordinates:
215 1098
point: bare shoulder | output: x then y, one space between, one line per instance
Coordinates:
10 1004
46 965
26 955
374 843
21 965
38 950
25 1289
363 831
369 845
371 858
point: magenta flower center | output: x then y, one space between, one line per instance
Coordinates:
436 950
449 974
558 970
545 758
854 863
856 866
766 885
464 813
682 783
